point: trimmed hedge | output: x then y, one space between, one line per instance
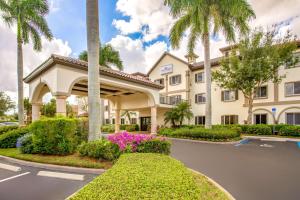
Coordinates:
222 134
9 139
143 176
130 127
155 145
290 131
4 129
55 136
109 128
259 129
100 149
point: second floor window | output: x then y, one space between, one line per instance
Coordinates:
229 95
261 92
176 99
160 81
175 80
199 77
200 98
292 88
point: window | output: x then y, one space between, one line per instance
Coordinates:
229 95
260 119
176 99
107 121
113 121
133 121
175 80
122 121
230 119
292 88
261 92
199 77
295 62
293 118
200 98
160 81
199 120
106 108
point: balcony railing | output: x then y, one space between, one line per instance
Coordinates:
170 100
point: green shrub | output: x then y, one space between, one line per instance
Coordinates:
143 176
4 129
100 149
26 144
202 133
165 131
290 131
82 130
54 136
9 139
130 127
109 128
156 145
259 129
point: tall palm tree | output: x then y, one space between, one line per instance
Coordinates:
108 56
92 21
29 16
203 18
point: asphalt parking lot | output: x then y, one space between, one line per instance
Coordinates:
36 184
252 170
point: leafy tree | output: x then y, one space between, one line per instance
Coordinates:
178 114
29 17
28 109
107 56
49 109
255 61
6 103
203 18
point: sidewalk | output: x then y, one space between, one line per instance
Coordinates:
272 138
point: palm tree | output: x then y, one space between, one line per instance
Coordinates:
92 21
108 56
203 18
184 111
29 16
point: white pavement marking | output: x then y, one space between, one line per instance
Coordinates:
266 145
274 139
10 167
77 177
6 179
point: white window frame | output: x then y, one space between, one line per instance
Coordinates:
158 81
293 93
229 95
261 97
177 99
197 79
197 119
203 95
294 119
260 114
177 79
223 119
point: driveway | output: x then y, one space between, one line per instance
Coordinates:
252 170
36 184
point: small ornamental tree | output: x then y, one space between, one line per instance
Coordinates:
255 61
6 103
178 114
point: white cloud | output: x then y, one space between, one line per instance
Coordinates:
54 5
8 57
135 57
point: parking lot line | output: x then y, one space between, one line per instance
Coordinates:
12 177
10 167
77 177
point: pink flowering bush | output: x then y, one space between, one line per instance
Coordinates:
135 142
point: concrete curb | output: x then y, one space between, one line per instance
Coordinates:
203 141
270 138
54 167
215 183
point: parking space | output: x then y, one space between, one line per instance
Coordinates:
254 169
35 183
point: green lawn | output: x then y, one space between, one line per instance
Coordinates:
73 160
138 176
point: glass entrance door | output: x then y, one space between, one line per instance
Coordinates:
145 123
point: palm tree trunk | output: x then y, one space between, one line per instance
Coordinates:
207 68
102 108
20 78
92 21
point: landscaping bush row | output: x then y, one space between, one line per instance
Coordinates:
124 142
110 128
213 134
9 139
143 176
4 129
59 136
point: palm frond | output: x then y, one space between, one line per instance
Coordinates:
178 29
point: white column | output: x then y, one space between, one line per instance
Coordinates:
153 120
117 120
61 105
36 111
